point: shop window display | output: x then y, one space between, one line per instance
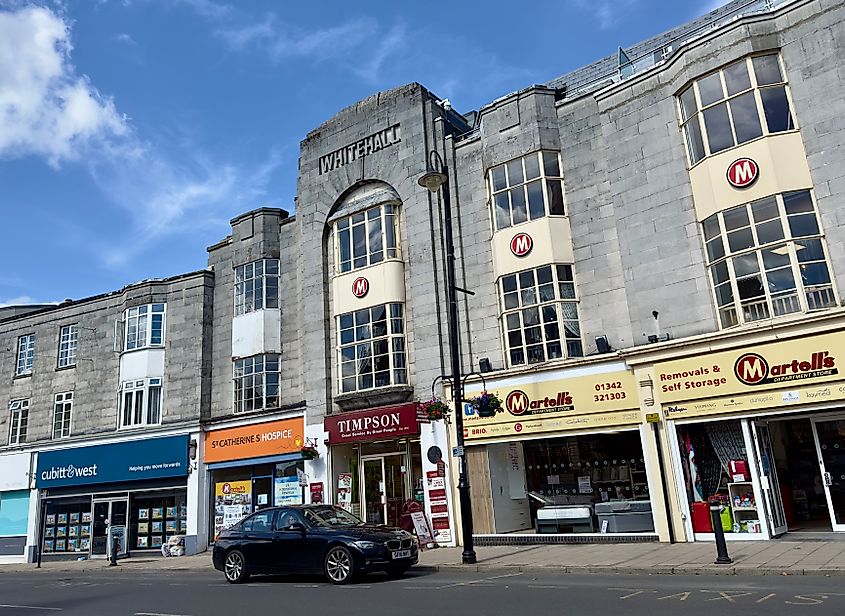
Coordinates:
715 466
157 517
67 526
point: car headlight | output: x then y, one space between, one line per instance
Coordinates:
365 545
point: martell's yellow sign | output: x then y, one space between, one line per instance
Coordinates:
777 365
593 401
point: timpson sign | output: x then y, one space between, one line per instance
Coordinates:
359 149
806 361
386 422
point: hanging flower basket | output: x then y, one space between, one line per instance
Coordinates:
309 452
434 409
486 405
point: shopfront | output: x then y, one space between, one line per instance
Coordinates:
14 507
762 430
564 455
385 465
138 489
254 466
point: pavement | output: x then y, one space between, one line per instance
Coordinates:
776 557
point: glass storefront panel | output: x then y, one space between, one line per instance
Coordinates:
67 526
155 517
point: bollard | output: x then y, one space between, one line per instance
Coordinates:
115 546
722 557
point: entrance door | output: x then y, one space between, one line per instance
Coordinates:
106 513
830 443
769 478
384 489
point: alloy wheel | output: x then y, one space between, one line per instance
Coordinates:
234 567
339 565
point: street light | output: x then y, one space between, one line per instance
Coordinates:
435 177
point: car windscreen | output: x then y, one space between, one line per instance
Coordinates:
331 517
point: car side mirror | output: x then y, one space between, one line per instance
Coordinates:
297 527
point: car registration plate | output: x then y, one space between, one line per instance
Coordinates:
402 554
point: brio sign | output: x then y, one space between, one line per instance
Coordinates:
360 287
742 173
521 244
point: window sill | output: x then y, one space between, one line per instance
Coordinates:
26 375
371 398
69 367
143 348
138 427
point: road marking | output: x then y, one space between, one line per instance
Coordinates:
769 596
633 592
547 586
157 614
299 585
812 599
31 607
724 595
680 596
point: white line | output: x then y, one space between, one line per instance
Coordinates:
156 614
32 607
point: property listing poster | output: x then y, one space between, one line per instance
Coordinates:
232 502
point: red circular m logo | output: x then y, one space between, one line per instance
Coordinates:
751 369
521 244
517 402
360 287
742 172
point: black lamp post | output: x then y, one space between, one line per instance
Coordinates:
437 176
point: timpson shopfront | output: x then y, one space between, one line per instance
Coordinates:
253 466
388 462
757 421
566 454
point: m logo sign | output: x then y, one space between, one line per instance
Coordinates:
742 173
360 287
521 244
751 369
517 402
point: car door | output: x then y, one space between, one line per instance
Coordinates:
290 542
258 541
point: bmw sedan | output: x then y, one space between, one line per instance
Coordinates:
311 539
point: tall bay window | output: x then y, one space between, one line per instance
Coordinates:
743 101
256 383
768 259
526 188
372 348
257 286
140 403
367 238
144 326
18 421
25 355
68 339
540 315
62 410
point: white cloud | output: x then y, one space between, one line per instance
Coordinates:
17 301
608 13
126 38
46 109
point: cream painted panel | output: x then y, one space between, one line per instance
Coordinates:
386 284
257 332
782 163
552 238
142 364
14 471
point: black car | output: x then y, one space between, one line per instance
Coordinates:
311 539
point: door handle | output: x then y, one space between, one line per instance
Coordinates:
828 479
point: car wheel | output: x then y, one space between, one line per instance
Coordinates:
339 565
396 572
234 567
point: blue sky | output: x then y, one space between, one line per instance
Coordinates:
131 131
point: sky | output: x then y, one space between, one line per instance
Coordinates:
132 131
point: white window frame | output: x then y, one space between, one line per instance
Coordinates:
142 317
521 187
530 298
25 355
68 344
755 88
256 286
387 216
736 316
355 336
18 421
62 414
136 395
250 374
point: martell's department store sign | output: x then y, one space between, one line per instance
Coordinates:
361 148
592 401
255 441
746 378
152 458
387 422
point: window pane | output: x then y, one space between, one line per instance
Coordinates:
776 108
736 218
532 167
715 249
710 89
555 197
154 406
718 128
530 316
503 214
688 106
776 257
520 214
724 295
720 273
544 274
515 172
498 176
711 227
536 205
764 209
390 234
695 143
746 121
750 288
803 225
359 245
564 272
746 264
736 77
798 201
740 240
814 273
767 69
509 283
771 231
512 321
780 280
376 245
551 164
809 250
